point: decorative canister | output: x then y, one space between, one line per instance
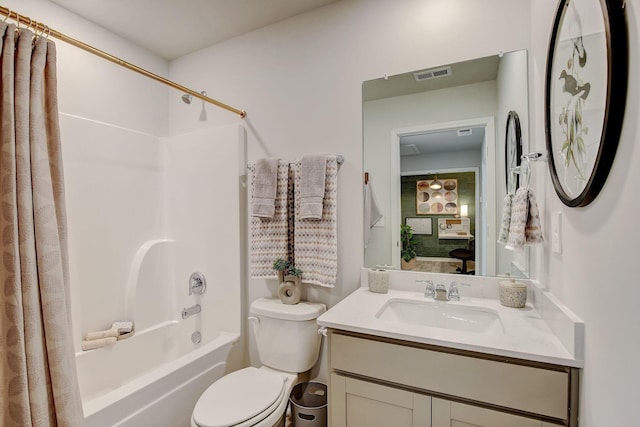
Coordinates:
513 293
378 281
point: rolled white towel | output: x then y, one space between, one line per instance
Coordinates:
113 332
102 342
117 329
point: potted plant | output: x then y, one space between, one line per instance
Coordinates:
408 253
290 278
281 266
295 274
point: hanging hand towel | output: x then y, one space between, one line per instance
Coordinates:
503 237
312 185
372 212
525 227
264 188
270 237
316 241
533 228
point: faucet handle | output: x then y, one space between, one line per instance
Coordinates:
429 290
454 293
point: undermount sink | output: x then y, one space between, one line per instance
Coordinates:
440 314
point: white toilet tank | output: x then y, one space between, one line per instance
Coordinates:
287 335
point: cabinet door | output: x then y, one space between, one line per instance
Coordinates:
453 414
357 403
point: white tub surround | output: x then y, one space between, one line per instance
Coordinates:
543 331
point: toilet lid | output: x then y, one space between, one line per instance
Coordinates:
237 397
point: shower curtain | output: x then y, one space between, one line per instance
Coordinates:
38 380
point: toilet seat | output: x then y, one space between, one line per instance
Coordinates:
241 398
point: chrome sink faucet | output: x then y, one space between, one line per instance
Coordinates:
441 293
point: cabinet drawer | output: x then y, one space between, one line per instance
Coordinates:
524 388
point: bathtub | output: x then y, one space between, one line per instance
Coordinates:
153 378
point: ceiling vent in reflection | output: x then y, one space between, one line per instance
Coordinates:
433 73
465 132
409 150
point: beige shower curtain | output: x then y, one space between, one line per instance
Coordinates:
38 381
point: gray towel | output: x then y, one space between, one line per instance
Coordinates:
263 204
313 169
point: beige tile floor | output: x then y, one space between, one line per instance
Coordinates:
445 266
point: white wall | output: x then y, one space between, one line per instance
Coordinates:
381 117
594 274
300 82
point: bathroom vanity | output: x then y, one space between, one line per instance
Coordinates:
474 363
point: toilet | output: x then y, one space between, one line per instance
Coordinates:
288 344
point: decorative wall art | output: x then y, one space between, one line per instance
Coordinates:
435 197
586 85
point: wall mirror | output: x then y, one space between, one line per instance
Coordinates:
444 124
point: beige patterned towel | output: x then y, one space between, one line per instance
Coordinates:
525 226
271 237
316 240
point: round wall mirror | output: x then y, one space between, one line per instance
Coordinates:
512 152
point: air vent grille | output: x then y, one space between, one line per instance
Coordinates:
433 73
409 150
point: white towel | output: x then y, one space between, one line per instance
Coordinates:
265 188
103 342
312 185
372 212
525 226
316 241
271 237
113 332
503 236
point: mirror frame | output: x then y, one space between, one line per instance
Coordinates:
616 35
513 122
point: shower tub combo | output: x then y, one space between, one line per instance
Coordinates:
156 376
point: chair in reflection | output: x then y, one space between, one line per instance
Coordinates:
465 254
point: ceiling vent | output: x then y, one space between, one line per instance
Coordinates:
409 150
465 132
433 73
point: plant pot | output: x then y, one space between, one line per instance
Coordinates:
280 276
408 265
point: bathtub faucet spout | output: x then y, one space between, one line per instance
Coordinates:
190 311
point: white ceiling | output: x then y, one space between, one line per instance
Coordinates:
173 28
442 141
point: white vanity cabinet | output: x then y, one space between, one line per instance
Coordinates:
388 382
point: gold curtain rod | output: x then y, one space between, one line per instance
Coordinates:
46 31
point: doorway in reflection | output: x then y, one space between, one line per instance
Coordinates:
439 187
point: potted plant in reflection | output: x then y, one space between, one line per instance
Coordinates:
408 253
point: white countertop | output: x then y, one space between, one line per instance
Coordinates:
526 334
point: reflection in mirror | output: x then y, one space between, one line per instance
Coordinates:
446 124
